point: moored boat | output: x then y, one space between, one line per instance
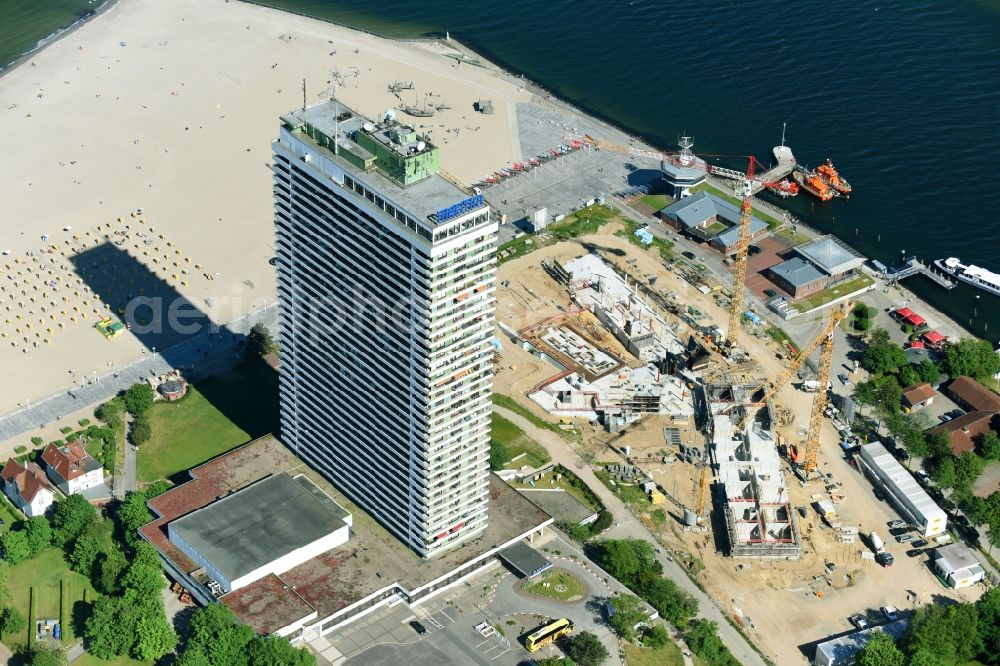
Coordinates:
832 177
813 184
785 188
970 274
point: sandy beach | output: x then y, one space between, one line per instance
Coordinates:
169 108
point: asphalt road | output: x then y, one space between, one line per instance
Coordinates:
626 526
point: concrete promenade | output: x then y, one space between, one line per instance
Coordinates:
205 351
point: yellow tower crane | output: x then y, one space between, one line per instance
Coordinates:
703 482
770 390
819 401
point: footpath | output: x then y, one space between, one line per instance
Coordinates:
626 526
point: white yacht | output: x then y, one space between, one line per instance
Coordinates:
974 275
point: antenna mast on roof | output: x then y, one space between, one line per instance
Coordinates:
783 133
303 94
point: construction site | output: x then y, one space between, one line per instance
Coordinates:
714 431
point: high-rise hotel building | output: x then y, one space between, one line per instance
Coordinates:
386 271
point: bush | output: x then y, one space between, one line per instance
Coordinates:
655 637
20 449
704 641
72 437
57 442
141 430
66 430
37 441
84 423
499 454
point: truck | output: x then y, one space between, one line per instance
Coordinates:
882 556
810 386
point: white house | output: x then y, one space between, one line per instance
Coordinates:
957 565
27 487
71 468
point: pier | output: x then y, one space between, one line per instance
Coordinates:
914 266
784 166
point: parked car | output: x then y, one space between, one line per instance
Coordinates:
919 543
915 552
844 379
896 524
955 413
417 627
688 254
945 418
753 249
878 494
859 621
771 293
896 531
890 613
884 558
904 538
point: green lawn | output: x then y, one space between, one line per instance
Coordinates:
574 589
547 481
516 443
215 416
581 223
508 402
793 236
668 655
630 494
9 514
43 574
833 293
655 201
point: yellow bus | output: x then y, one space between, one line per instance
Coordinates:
547 634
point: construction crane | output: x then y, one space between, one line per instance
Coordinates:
819 401
745 183
771 389
703 482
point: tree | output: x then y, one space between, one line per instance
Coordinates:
943 471
939 443
143 579
703 639
882 354
975 358
950 633
880 650
154 635
499 454
111 413
39 533
989 445
138 398
923 657
108 568
132 513
586 649
259 341
11 622
908 375
672 603
625 558
627 614
275 651
15 546
84 551
967 469
107 635
141 431
655 637
928 371
71 517
38 655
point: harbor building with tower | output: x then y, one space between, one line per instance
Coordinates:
386 271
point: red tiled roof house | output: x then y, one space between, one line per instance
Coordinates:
27 487
71 468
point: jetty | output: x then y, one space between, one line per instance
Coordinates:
914 266
784 166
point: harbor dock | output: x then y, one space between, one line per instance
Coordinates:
914 266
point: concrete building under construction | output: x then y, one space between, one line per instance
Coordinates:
759 518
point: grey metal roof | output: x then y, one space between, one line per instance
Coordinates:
955 557
254 526
797 272
423 198
731 235
877 456
830 255
840 650
701 206
528 561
